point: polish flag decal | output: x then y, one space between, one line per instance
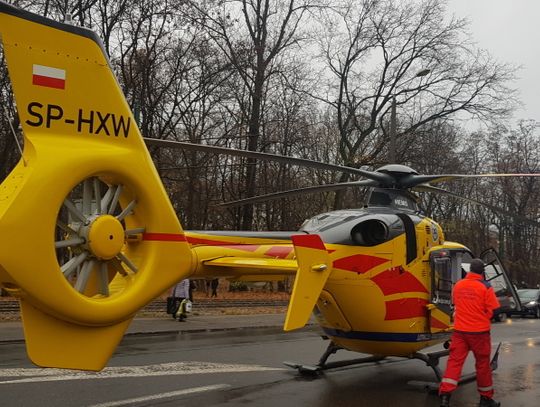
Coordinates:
48 76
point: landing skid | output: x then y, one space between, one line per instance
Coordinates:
322 365
431 360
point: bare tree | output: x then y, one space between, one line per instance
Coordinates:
9 123
518 150
252 34
76 11
375 51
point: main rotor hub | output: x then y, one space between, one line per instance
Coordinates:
105 236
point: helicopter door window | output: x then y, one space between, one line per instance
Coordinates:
496 275
442 282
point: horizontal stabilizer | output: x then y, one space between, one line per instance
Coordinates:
314 267
253 265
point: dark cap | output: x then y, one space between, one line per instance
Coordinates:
477 266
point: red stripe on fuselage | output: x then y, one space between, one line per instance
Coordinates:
435 323
405 308
397 280
359 263
164 237
281 252
229 245
207 242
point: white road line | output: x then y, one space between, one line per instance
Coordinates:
163 369
162 395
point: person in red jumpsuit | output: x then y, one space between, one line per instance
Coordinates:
474 301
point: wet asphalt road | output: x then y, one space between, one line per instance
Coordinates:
244 368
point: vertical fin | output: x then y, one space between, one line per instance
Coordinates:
314 267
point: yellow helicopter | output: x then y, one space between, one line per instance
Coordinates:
89 236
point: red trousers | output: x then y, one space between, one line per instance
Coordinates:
462 343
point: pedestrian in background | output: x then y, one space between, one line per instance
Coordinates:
214 284
474 301
181 291
192 287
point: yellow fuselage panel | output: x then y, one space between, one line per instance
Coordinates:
371 293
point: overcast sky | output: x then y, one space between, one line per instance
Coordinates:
510 31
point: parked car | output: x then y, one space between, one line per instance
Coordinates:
506 309
530 302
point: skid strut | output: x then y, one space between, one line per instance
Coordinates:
432 360
322 365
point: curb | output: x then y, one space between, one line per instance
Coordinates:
12 305
178 332
155 333
200 330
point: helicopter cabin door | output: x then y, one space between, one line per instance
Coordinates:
450 265
496 275
445 272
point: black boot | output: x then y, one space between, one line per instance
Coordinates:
487 402
445 400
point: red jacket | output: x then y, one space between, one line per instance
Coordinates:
474 301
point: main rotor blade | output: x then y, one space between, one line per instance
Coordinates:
299 191
413 180
376 176
429 188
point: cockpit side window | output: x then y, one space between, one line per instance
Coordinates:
442 280
447 268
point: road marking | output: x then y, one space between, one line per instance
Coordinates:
163 369
162 395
